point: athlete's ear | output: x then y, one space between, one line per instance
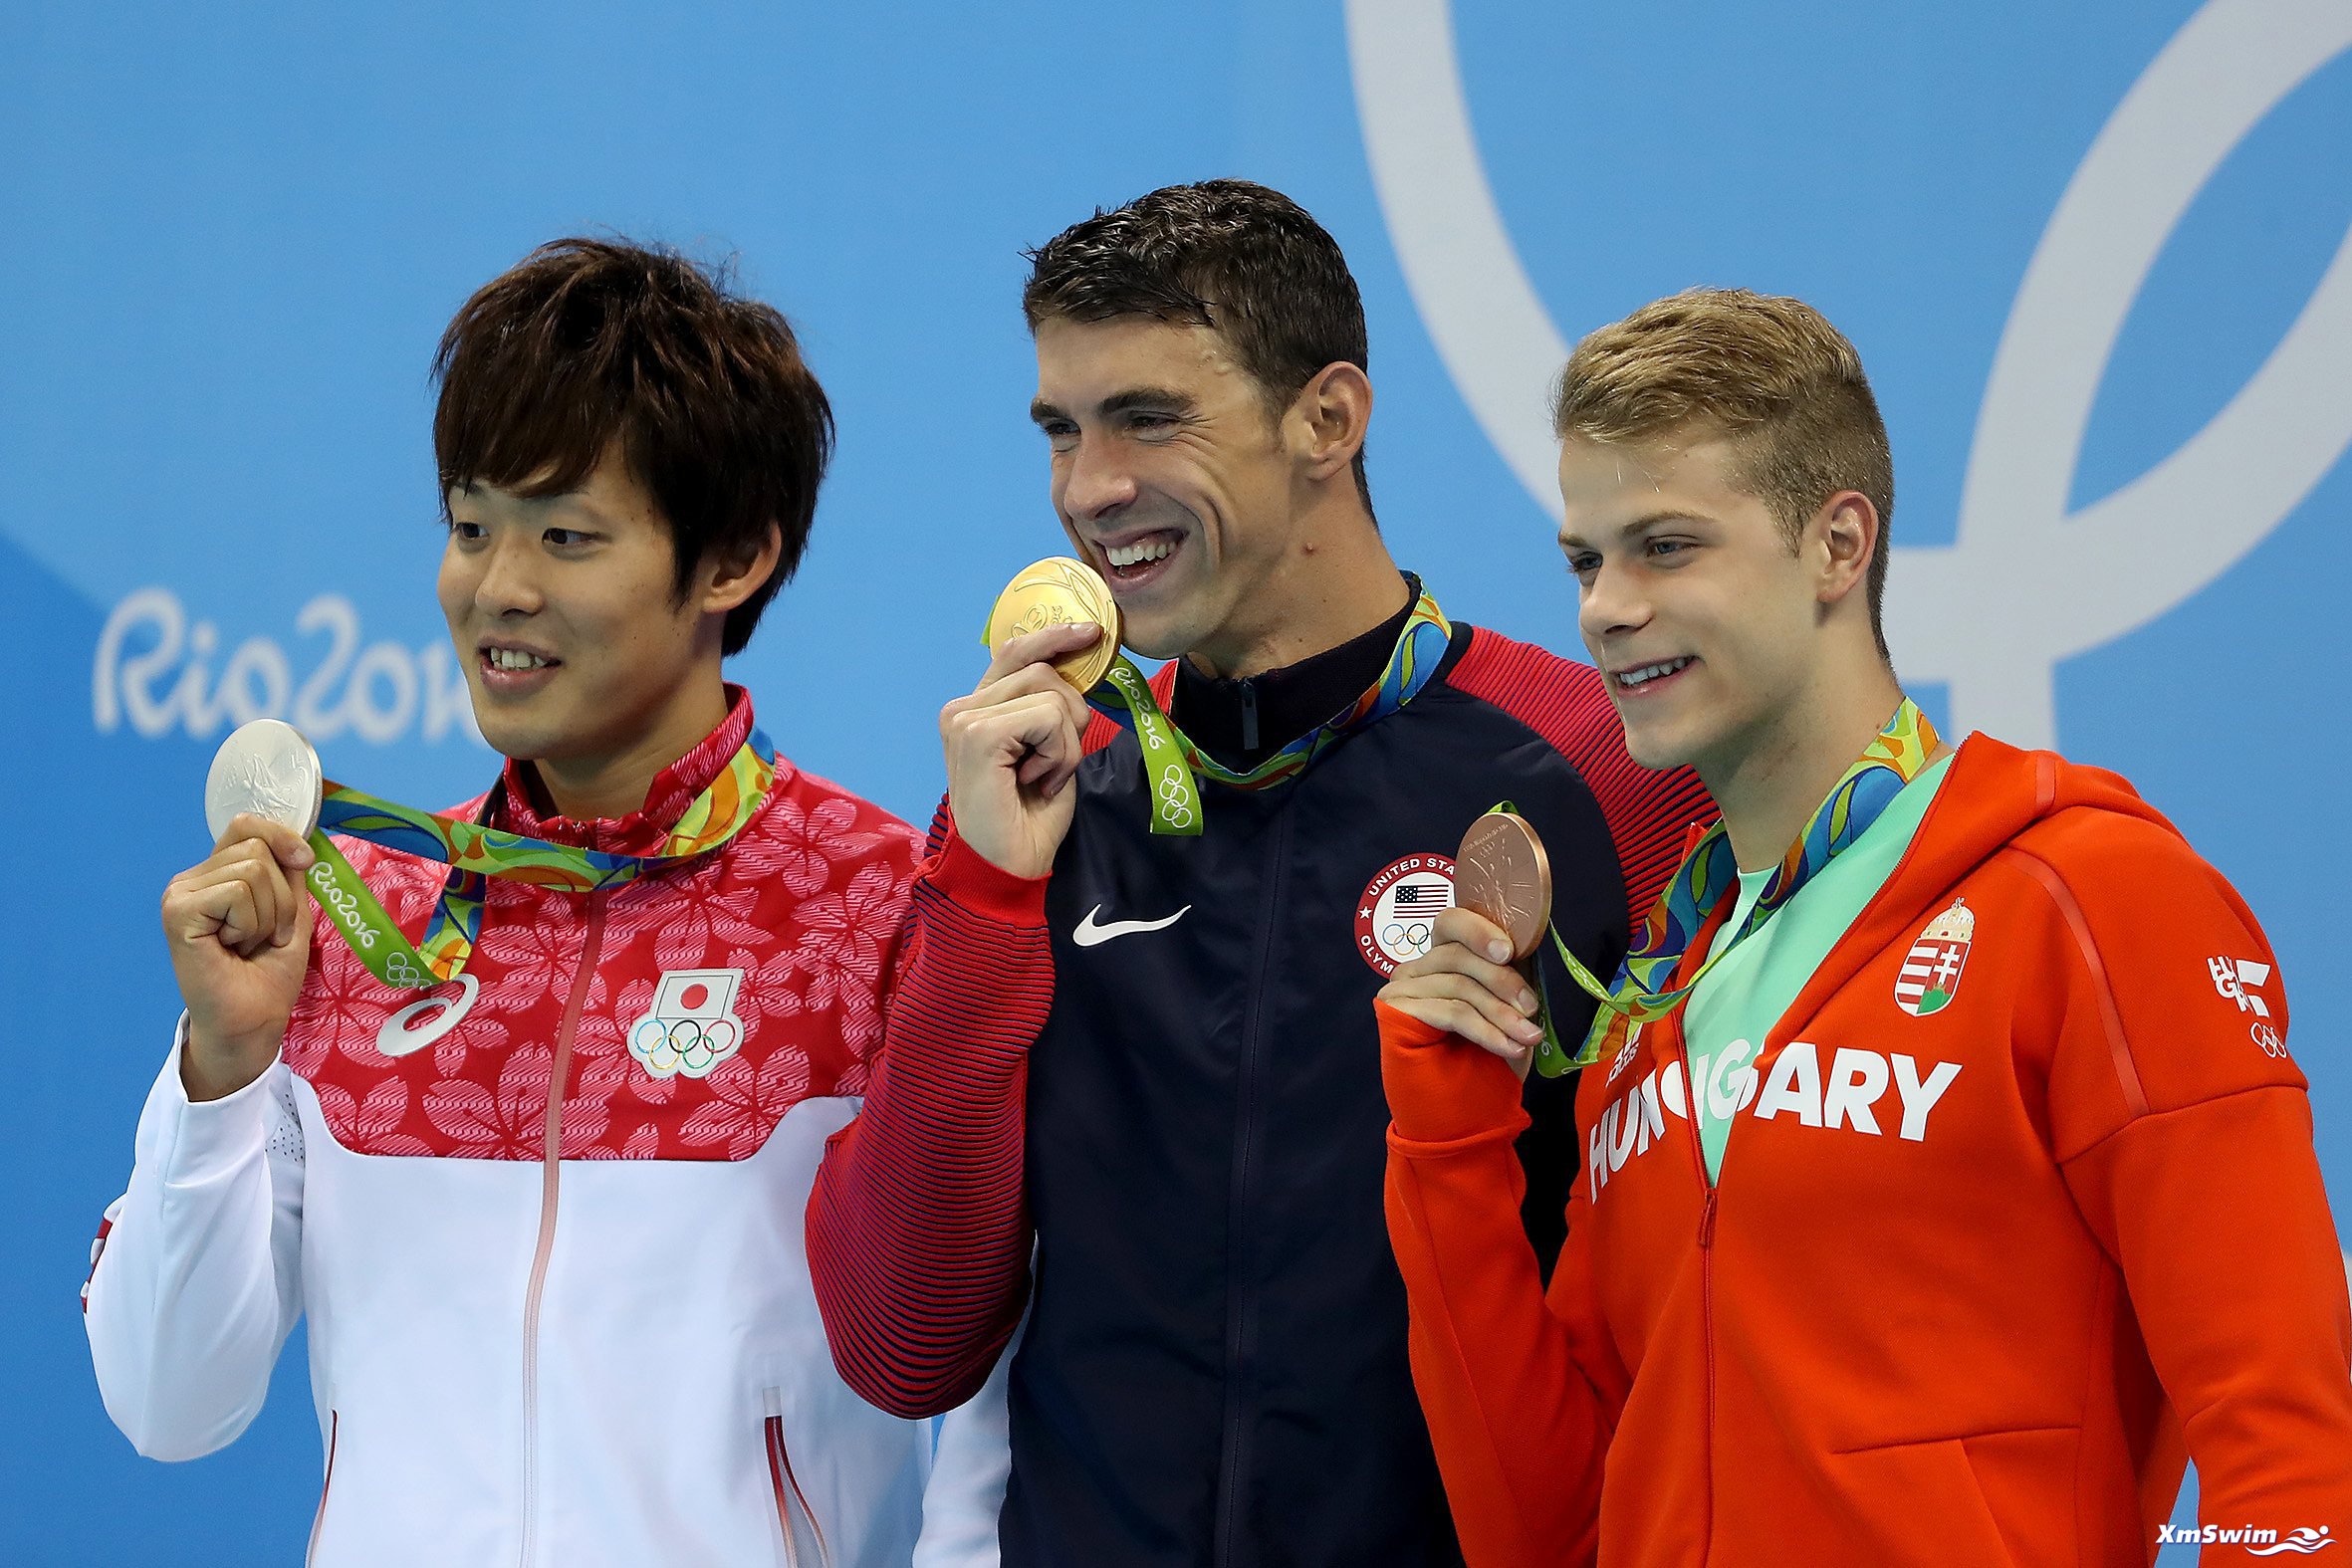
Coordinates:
735 576
1846 529
1326 421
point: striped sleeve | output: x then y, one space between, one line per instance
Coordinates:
1649 812
918 1233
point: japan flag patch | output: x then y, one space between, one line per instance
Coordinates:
1930 976
691 1027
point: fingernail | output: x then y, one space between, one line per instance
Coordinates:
1527 1031
1526 1003
1500 952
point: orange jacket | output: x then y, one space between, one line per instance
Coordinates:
1972 1274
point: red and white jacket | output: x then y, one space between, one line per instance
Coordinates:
559 1308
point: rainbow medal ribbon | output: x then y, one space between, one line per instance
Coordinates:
1174 763
267 768
1640 993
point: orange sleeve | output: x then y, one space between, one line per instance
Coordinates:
2185 1132
1519 1426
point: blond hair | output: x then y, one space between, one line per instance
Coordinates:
1767 371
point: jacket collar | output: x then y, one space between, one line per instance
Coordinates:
1243 722
644 830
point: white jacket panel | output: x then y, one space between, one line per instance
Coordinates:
706 1357
203 1282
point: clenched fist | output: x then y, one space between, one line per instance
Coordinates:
239 929
1013 748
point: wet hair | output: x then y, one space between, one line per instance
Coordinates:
591 346
1227 254
1769 371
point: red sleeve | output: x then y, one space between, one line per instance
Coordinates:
1649 812
918 1234
2183 1130
1520 1388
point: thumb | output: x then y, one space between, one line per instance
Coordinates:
291 849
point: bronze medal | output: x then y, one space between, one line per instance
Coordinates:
1056 592
1501 873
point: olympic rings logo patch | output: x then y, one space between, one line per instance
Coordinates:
1399 908
692 1027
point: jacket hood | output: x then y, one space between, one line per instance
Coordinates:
1994 793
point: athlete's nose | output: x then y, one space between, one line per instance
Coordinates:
1095 483
1611 604
508 583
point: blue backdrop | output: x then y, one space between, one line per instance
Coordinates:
2095 256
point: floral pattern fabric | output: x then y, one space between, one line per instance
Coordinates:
807 904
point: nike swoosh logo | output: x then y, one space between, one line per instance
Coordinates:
1090 934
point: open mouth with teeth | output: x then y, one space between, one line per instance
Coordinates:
1138 561
514 670
1646 679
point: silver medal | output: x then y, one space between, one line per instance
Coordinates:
268 769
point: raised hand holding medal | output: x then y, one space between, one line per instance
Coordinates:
1469 982
237 925
1503 875
1475 980
1012 746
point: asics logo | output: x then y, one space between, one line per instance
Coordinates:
1090 934
421 1024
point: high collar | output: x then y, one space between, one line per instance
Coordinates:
1243 722
644 830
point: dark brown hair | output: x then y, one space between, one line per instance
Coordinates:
1225 254
1766 371
588 343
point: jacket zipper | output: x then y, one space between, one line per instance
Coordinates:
1240 1299
325 1487
1691 1094
787 1488
1249 718
550 1189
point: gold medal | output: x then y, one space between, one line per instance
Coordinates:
1059 591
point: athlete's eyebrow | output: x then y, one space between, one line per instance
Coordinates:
1631 529
1165 398
557 509
576 503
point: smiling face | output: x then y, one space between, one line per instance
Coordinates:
1172 479
1715 633
578 647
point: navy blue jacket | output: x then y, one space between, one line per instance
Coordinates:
1214 1370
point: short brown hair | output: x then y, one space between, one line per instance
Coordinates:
591 342
1766 371
1226 253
